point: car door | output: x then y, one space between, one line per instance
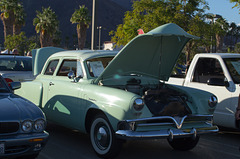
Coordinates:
64 95
45 77
211 68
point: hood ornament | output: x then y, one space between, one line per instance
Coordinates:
179 121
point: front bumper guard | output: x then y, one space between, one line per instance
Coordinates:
174 129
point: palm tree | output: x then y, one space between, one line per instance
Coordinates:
46 24
231 33
82 18
221 27
8 8
19 19
237 3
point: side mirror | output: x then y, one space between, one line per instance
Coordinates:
15 85
226 82
71 75
218 82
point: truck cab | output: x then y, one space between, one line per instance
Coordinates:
218 73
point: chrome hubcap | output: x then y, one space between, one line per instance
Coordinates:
102 137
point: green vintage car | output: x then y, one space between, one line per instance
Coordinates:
117 96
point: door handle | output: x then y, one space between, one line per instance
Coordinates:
50 84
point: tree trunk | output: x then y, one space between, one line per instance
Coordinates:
17 29
81 32
8 24
207 49
219 43
188 47
45 40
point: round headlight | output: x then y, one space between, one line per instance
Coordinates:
138 104
39 125
27 126
212 102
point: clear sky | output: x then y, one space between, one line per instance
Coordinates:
224 8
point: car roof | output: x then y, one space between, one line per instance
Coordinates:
85 54
12 56
222 55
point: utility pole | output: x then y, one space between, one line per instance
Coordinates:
93 25
99 37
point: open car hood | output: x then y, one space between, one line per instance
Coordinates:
153 54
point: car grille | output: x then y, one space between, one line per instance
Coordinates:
16 149
8 127
165 122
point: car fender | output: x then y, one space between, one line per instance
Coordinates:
32 91
114 103
197 99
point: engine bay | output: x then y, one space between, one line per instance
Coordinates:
160 100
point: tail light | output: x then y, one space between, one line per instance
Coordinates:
9 81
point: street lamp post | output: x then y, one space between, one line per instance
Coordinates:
93 25
213 16
99 37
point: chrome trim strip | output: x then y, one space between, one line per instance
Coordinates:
170 134
167 117
178 121
154 124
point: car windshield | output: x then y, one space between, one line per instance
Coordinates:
233 65
15 64
97 65
3 86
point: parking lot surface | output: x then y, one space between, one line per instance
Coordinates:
65 143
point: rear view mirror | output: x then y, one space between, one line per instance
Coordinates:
15 85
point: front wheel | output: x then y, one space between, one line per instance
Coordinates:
103 139
184 144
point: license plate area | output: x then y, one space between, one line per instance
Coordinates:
2 148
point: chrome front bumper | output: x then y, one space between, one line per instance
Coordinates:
166 127
23 144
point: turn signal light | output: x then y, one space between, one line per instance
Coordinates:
36 140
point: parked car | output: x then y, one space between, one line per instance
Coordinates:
218 73
119 96
21 124
16 68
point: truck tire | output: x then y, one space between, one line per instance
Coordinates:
184 144
103 139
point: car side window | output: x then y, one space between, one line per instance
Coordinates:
97 65
51 67
70 65
207 68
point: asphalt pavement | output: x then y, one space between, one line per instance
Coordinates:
69 144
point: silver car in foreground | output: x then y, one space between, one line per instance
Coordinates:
22 124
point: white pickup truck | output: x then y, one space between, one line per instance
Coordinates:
218 73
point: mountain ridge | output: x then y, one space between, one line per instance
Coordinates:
109 14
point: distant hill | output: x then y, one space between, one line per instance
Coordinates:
110 13
127 4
